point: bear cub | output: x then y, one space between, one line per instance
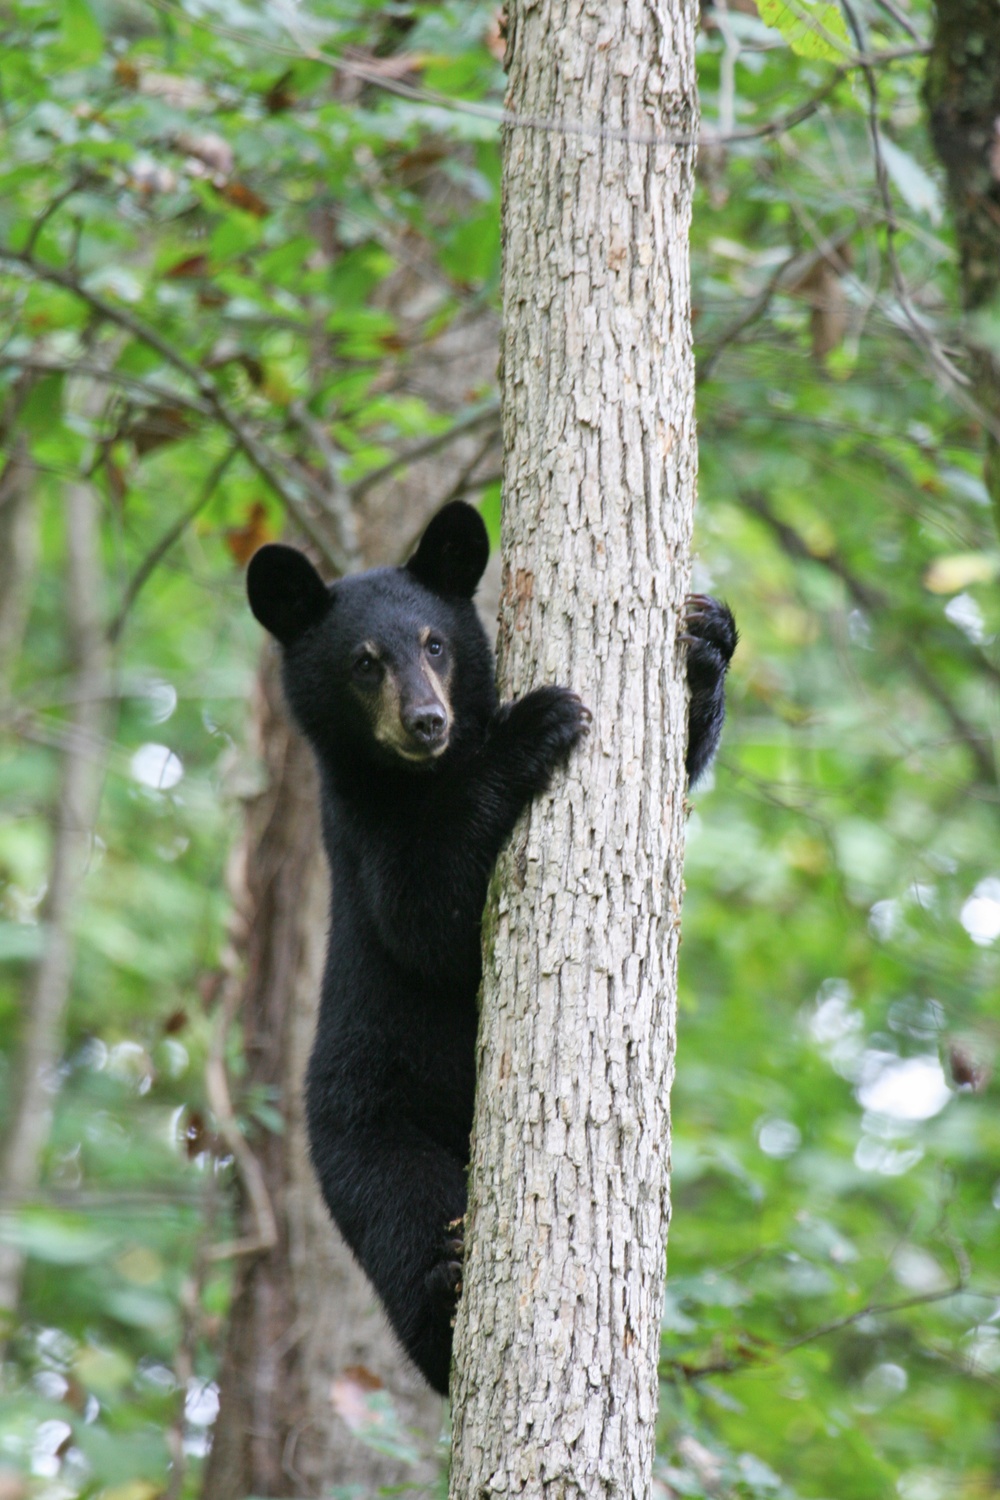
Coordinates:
423 775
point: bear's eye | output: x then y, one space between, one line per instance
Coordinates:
435 646
366 666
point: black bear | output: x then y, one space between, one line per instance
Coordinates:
423 774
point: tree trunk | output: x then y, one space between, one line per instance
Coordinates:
962 90
18 554
302 1312
35 1072
555 1390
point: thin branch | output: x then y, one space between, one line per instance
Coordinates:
478 417
873 601
338 502
875 1310
956 380
288 492
304 52
782 123
900 19
265 1234
53 207
173 534
162 395
754 310
770 1355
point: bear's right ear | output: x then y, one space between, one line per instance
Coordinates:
453 551
286 593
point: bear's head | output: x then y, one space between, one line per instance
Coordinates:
392 665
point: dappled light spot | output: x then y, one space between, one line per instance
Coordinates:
905 1088
980 916
157 766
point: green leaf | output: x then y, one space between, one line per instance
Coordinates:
811 28
81 32
54 1238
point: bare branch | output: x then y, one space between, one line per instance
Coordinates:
558 125
339 498
152 390
265 1235
900 19
53 207
873 601
295 494
763 1353
173 534
477 417
793 270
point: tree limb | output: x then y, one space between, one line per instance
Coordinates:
173 534
290 492
873 601
479 416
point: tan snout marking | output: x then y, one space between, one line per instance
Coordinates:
387 722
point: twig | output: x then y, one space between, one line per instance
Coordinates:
256 453
956 378
173 534
900 19
771 1355
339 498
473 419
265 1235
53 207
755 309
494 114
162 395
873 601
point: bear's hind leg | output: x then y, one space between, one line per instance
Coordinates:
399 1204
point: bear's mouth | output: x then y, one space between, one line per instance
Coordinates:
411 749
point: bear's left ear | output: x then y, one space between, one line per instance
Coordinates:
286 593
453 551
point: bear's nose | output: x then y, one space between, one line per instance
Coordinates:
426 724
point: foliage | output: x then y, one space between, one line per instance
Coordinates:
200 218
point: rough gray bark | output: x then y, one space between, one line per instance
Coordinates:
81 781
555 1388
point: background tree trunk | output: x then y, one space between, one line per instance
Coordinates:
962 90
35 1074
302 1311
555 1390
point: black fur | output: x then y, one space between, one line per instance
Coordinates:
411 843
711 637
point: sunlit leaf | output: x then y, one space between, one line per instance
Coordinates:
812 28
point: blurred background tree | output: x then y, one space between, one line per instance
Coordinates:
248 278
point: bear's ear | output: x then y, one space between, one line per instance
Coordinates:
453 551
286 593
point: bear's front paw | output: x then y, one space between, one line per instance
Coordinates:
711 634
549 721
711 637
444 1279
